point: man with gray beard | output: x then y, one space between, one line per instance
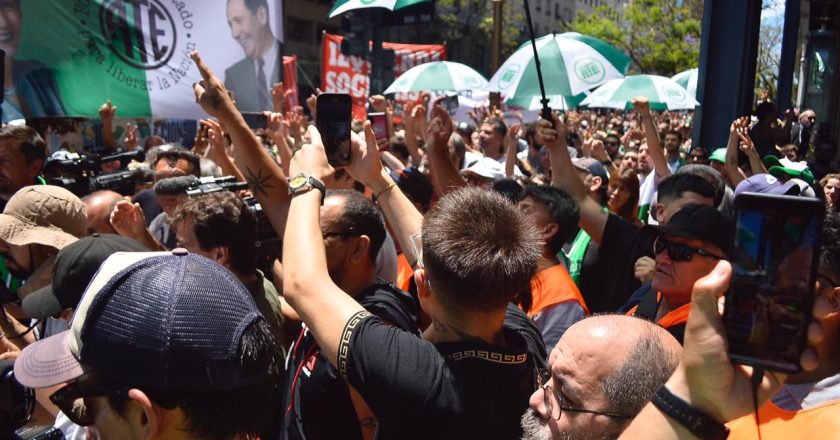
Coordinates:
601 373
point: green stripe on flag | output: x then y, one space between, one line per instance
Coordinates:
53 35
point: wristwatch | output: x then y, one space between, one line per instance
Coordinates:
301 183
699 423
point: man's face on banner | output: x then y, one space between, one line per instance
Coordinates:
246 27
10 19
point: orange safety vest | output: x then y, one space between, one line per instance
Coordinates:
819 422
404 273
554 286
673 318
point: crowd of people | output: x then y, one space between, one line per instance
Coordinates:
553 280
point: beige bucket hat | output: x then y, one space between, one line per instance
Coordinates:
43 214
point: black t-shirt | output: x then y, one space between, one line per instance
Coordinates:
452 390
148 204
315 396
591 282
623 243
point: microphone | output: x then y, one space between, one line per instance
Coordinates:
175 185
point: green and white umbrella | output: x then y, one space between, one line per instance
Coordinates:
663 93
438 76
572 63
342 6
556 102
687 79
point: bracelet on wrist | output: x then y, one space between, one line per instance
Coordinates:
384 190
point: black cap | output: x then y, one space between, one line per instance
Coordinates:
698 222
75 266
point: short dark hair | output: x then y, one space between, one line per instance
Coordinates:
674 133
508 188
675 186
479 250
249 409
499 125
174 153
32 145
562 208
359 215
648 367
222 219
709 174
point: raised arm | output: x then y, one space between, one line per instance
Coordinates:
657 154
565 176
445 176
107 112
511 148
265 178
307 286
216 150
748 147
732 170
366 167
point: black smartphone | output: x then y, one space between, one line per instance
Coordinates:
379 123
399 109
775 251
496 100
333 115
255 120
450 103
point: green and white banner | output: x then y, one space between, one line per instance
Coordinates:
66 57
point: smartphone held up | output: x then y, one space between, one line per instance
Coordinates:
775 251
333 117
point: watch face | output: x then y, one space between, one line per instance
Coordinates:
298 181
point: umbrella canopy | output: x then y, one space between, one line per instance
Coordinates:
687 79
663 93
439 76
556 102
571 64
342 6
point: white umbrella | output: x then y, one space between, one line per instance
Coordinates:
662 92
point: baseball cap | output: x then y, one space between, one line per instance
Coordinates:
166 321
592 166
766 184
698 222
718 155
487 168
784 167
43 214
75 266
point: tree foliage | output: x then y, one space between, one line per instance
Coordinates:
662 37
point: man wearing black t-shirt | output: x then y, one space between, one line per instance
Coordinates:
468 377
620 242
353 233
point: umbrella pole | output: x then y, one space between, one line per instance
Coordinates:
546 110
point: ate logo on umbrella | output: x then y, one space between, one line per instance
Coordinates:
507 78
589 70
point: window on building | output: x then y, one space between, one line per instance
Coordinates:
557 11
547 8
301 30
538 7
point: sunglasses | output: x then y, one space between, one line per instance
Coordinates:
70 400
679 251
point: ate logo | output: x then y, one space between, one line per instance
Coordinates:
139 32
589 70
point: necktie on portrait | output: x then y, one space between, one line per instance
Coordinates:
262 86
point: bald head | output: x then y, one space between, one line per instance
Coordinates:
99 205
606 364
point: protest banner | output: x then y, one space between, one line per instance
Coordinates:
350 74
69 56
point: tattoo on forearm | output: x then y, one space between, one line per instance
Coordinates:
215 101
257 182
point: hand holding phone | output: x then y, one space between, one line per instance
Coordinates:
379 123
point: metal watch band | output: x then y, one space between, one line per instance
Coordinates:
699 423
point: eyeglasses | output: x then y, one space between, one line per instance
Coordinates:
553 400
70 400
679 251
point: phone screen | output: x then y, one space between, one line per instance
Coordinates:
776 245
450 103
496 100
333 118
255 120
380 126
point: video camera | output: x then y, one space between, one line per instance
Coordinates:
16 405
268 244
83 175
